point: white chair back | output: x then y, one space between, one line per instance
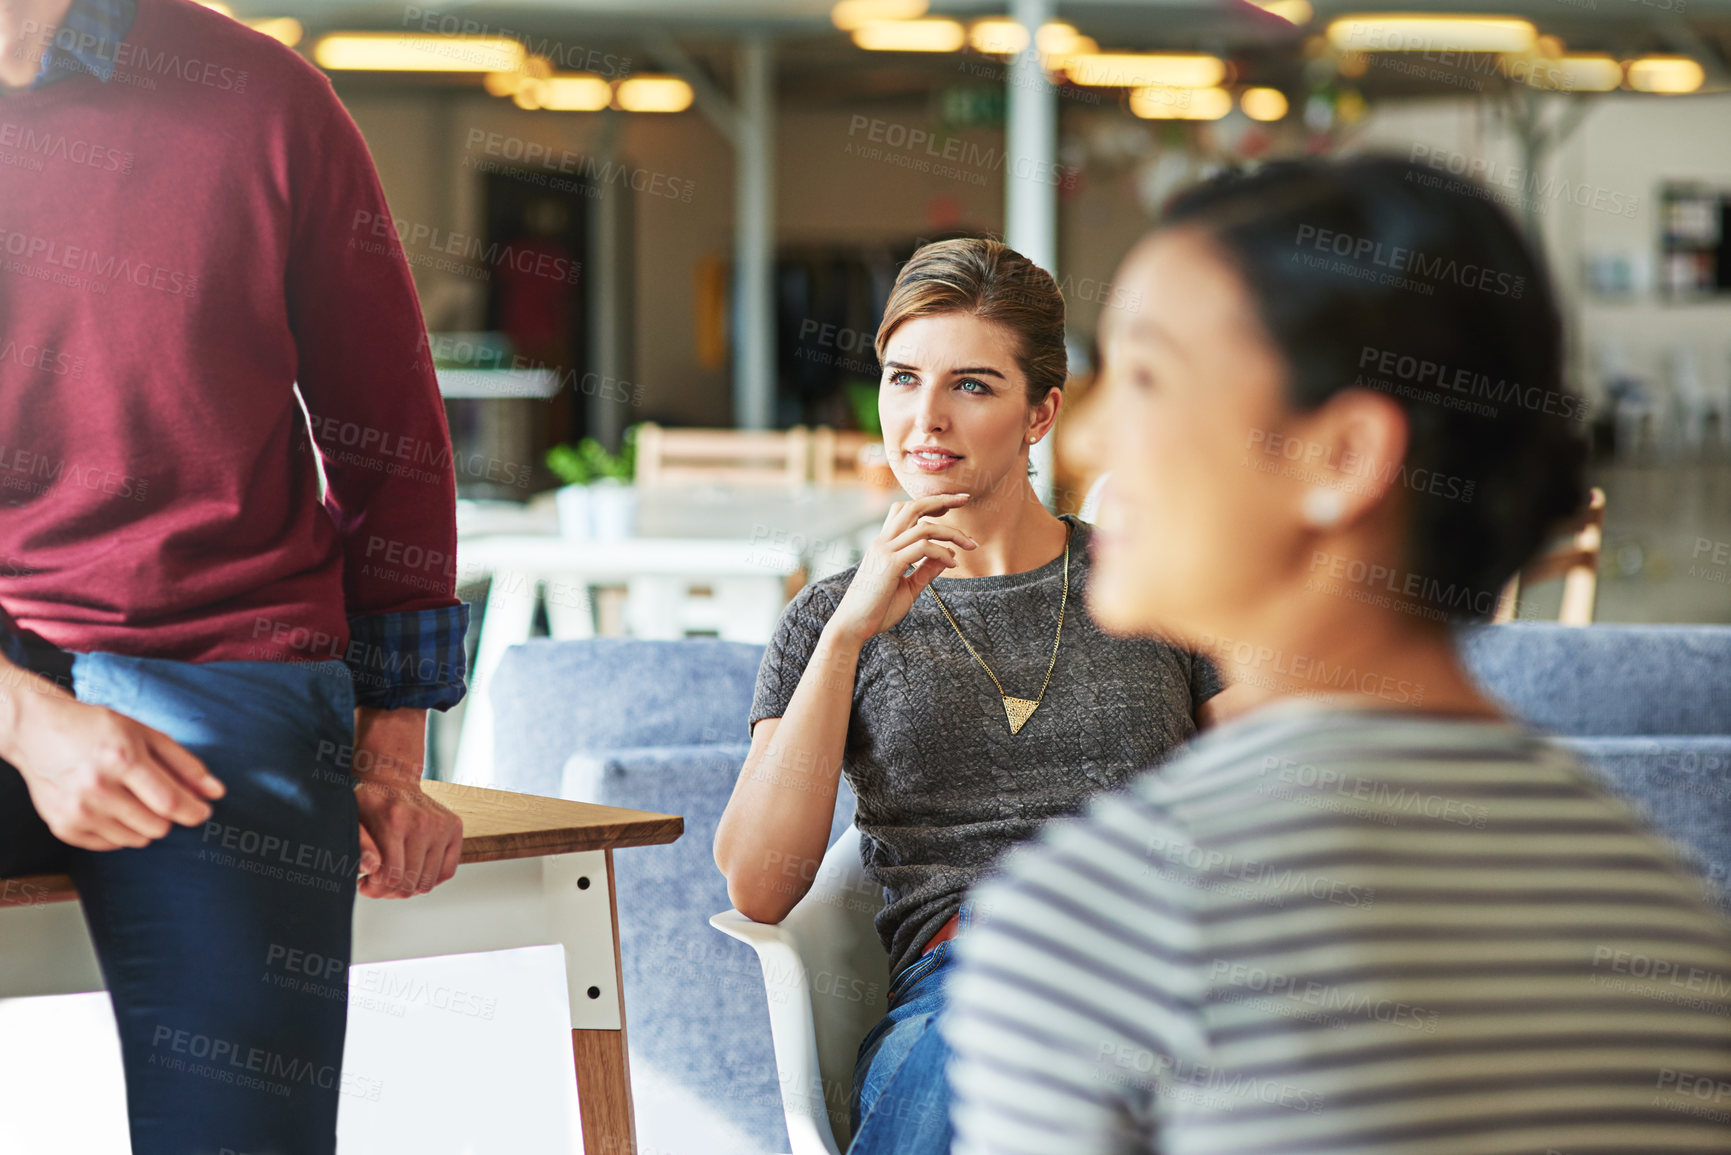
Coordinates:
835 932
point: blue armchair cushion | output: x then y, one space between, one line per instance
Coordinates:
551 698
1606 679
694 998
1681 784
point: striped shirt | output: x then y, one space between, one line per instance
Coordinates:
1341 932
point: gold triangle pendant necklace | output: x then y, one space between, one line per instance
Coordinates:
1018 710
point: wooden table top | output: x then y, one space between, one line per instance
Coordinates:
497 824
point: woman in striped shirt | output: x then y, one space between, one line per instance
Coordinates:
1372 915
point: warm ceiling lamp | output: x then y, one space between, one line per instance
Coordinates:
1672 74
1263 103
507 83
850 14
997 36
654 94
1291 11
1159 103
1583 72
1145 69
282 29
573 92
1059 43
1056 37
911 36
285 30
1401 33
397 52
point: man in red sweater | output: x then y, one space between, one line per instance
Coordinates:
204 645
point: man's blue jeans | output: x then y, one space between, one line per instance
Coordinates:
901 1098
225 947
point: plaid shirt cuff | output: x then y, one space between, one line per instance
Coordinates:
11 645
409 661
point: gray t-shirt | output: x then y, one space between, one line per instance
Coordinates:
944 788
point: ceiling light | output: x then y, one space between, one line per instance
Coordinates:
1291 11
397 52
911 36
1263 103
1058 59
282 29
1432 34
1584 72
1160 103
997 36
654 94
1665 74
851 14
507 83
1055 37
573 92
1143 69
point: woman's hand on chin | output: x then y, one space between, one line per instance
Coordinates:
882 590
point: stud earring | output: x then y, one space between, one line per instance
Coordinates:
1323 507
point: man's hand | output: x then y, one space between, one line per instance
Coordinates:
98 779
409 843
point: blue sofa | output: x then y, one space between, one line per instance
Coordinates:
662 726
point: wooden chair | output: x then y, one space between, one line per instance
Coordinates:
835 456
668 458
1575 560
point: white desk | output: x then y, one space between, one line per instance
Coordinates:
739 548
534 871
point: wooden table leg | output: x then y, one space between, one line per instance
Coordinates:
603 1067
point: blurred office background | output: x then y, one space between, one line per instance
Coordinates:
689 212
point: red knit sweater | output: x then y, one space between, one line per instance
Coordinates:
178 247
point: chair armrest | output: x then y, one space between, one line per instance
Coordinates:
756 935
792 1030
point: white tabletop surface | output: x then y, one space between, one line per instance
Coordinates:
732 525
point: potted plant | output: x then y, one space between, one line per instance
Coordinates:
597 499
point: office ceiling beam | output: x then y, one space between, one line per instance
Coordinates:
747 121
1030 186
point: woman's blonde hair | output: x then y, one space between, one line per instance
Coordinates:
989 280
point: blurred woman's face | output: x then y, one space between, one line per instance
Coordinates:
954 406
1190 529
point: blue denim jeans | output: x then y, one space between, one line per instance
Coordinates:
225 947
901 1099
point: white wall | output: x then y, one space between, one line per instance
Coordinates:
1599 193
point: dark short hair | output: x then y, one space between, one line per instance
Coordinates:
1377 273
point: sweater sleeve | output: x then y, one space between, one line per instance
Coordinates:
367 380
788 652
